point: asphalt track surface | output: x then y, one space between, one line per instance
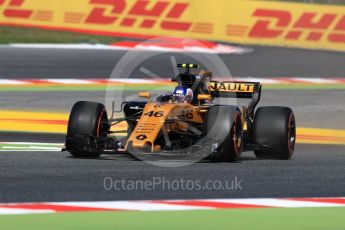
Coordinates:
263 62
315 170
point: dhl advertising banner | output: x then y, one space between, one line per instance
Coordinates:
249 22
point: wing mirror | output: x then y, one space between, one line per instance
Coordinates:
204 97
146 95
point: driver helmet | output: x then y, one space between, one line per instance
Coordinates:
182 94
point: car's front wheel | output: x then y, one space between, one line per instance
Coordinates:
87 119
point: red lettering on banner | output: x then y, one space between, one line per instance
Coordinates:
339 32
182 26
176 12
14 12
128 22
314 36
152 11
262 27
275 23
148 23
98 15
293 35
16 2
141 8
306 22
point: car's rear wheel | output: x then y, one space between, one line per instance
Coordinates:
275 132
87 119
224 130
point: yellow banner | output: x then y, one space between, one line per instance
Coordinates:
249 22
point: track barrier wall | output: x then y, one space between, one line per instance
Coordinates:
246 22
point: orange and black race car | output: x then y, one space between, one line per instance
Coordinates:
195 121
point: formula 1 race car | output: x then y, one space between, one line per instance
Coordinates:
200 126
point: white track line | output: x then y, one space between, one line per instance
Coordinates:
262 80
30 147
280 203
136 81
31 150
315 80
13 82
157 206
217 49
63 46
30 143
133 206
70 81
18 211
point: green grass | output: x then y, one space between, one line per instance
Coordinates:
28 35
244 219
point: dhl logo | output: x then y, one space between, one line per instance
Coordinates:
147 12
144 14
14 9
260 23
311 26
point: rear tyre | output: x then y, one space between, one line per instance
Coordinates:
275 131
224 130
88 119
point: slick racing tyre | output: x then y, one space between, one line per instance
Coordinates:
274 132
224 130
87 119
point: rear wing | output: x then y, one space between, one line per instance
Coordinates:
236 89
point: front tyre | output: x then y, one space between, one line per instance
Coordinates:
224 130
274 132
87 119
